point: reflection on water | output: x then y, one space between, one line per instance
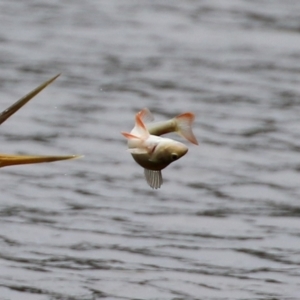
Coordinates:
225 223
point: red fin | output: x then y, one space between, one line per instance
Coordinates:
130 136
184 124
146 115
140 122
140 127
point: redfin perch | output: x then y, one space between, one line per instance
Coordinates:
154 153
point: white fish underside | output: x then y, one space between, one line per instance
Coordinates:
153 178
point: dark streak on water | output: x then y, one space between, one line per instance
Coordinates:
225 224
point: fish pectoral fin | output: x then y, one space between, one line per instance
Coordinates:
153 160
137 151
11 160
184 124
153 178
130 136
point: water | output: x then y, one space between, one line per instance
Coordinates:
225 224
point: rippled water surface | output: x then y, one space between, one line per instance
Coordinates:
225 224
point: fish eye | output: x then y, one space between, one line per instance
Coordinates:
174 156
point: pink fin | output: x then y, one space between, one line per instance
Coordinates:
140 127
130 136
146 115
184 124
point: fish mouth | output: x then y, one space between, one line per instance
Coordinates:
11 159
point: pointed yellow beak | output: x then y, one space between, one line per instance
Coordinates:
10 159
21 102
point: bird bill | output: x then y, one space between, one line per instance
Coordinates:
11 159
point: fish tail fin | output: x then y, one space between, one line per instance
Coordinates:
153 178
184 124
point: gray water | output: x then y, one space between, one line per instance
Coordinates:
225 224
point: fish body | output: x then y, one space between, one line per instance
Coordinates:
153 152
159 153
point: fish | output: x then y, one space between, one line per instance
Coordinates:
153 152
12 159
